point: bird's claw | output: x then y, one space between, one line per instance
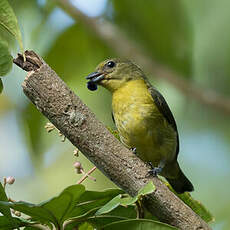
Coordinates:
154 170
134 150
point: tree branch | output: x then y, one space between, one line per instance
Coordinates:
66 111
123 46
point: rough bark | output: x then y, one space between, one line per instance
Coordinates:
72 117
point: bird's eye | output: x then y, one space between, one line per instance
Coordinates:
110 64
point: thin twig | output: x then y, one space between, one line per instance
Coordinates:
87 175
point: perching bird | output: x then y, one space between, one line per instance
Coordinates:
143 118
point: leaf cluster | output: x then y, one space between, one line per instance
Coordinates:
75 207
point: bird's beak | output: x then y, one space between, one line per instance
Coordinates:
95 77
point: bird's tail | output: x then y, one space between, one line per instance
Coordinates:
181 184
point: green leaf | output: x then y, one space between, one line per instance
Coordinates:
1 86
93 200
118 213
97 222
73 201
55 210
90 202
98 195
9 21
195 205
3 197
115 202
138 224
8 221
11 223
5 58
35 211
84 226
125 199
147 189
62 206
101 221
128 212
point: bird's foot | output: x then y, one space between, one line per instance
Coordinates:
134 150
154 170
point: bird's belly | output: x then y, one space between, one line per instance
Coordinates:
145 130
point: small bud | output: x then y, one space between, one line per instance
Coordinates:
78 167
63 138
10 180
76 152
61 135
49 127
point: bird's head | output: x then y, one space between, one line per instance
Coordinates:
113 73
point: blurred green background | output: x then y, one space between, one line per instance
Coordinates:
191 38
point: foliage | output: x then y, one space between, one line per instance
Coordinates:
125 200
8 22
195 205
4 209
5 58
75 207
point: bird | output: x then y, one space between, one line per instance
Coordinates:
143 118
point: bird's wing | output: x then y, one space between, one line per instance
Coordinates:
165 110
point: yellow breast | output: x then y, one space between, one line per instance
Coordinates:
139 122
